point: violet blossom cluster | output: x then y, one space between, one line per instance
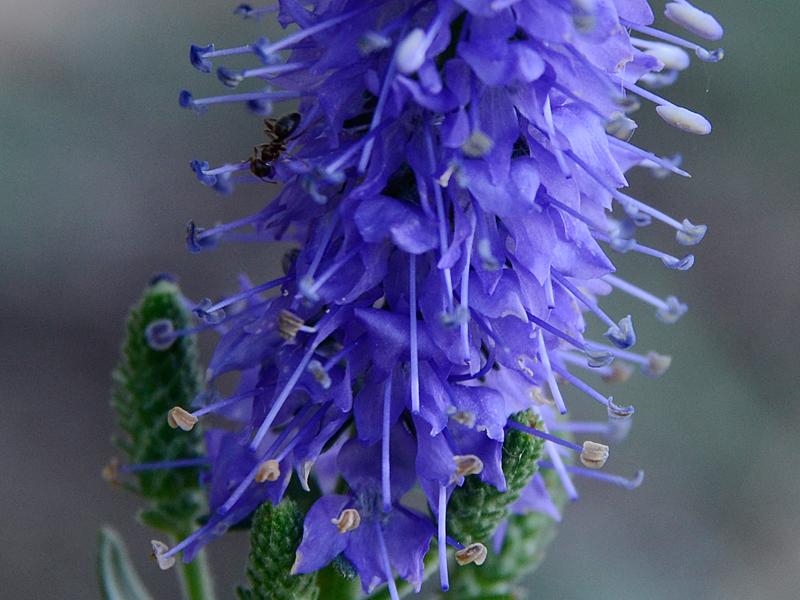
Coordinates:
450 174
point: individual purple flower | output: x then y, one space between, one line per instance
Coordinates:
451 181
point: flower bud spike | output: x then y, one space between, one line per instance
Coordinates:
594 455
693 19
269 470
179 417
160 334
160 549
474 553
349 520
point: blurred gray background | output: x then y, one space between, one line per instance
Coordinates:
96 191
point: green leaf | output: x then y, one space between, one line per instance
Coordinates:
118 577
274 537
476 508
148 383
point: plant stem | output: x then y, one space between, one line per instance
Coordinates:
195 578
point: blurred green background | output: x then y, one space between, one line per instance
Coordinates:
96 191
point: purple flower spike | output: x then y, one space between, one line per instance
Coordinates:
451 176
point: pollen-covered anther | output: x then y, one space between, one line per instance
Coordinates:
320 374
621 127
539 396
289 324
159 550
348 520
478 144
672 57
110 472
179 417
269 470
463 417
693 19
657 364
619 372
474 553
411 51
684 119
594 455
467 464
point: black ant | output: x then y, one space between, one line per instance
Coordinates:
279 132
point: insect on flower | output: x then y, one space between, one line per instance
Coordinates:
279 132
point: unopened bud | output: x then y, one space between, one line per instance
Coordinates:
467 464
693 19
159 550
474 553
594 455
684 119
178 417
269 470
349 520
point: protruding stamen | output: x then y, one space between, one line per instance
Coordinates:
684 119
178 417
657 364
467 464
540 433
413 342
619 372
693 19
387 567
673 310
628 484
551 380
269 470
348 520
159 550
703 54
474 553
386 483
160 334
594 455
441 524
690 234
